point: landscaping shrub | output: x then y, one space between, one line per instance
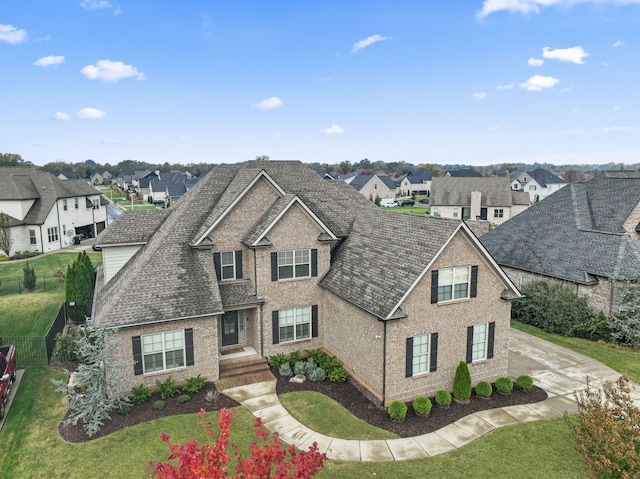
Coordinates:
158 405
329 363
277 360
167 388
299 368
504 385
309 366
184 398
422 405
285 370
316 354
140 394
397 410
3 257
317 375
66 348
524 382
124 410
193 384
484 389
443 398
295 356
26 254
462 382
338 375
29 278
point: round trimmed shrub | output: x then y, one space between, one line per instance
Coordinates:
462 382
422 405
524 382
443 398
299 368
397 410
484 389
504 385
158 405
317 375
285 370
184 398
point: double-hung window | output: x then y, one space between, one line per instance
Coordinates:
295 323
480 339
64 204
161 351
455 212
75 202
498 213
453 283
32 237
299 263
228 265
422 354
52 234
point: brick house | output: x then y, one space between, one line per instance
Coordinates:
584 235
267 257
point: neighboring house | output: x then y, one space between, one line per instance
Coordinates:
100 177
482 198
463 173
416 182
539 183
584 235
46 212
372 186
267 257
130 179
64 175
169 187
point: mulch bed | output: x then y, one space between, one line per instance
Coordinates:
350 394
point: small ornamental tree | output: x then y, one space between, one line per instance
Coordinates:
606 430
269 457
625 325
462 382
29 279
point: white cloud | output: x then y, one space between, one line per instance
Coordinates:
535 62
12 35
507 86
616 128
106 70
268 103
333 130
362 44
90 113
60 116
571 55
539 82
479 96
48 61
534 6
618 43
101 5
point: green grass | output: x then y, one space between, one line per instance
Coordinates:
310 408
416 210
622 359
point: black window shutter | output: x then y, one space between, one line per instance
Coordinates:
274 266
434 286
275 327
239 264
474 281
409 359
216 264
314 262
188 346
490 341
470 344
314 321
433 359
137 355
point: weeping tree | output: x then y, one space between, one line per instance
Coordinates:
100 386
5 233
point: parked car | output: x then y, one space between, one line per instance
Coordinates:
424 201
406 202
387 202
96 247
8 368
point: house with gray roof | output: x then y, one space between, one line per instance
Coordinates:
44 213
539 183
266 257
374 186
483 198
417 182
584 235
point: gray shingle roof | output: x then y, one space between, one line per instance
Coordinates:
544 177
453 191
132 227
575 234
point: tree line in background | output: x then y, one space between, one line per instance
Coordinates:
84 169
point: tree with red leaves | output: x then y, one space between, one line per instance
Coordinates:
269 458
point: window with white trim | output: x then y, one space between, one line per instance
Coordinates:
436 212
421 353
480 339
75 202
52 234
227 265
64 204
96 203
532 188
294 323
32 237
161 351
455 212
294 264
498 213
453 283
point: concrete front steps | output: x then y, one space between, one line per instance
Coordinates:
242 371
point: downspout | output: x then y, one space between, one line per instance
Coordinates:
384 362
41 239
60 232
260 312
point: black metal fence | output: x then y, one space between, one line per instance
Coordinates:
43 283
36 350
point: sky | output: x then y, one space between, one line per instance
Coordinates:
449 82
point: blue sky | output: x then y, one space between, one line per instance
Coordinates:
461 81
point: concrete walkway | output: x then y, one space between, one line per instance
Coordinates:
557 370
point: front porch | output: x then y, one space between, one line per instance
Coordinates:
240 368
